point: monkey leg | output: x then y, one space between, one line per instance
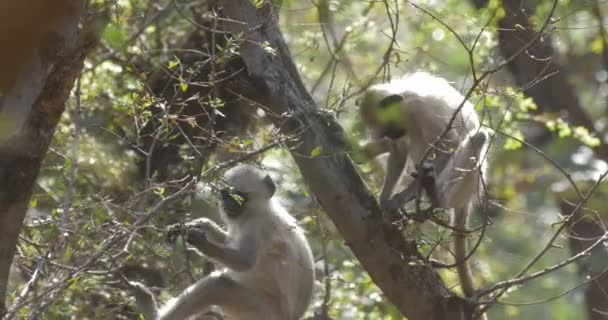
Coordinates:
220 290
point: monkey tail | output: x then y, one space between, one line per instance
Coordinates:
461 223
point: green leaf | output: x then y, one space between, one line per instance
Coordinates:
114 35
514 144
173 63
257 3
316 151
183 85
237 198
583 135
159 191
527 104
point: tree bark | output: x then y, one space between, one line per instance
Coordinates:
32 100
394 264
584 231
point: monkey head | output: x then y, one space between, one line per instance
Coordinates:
381 110
247 187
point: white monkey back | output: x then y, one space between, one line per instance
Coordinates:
284 265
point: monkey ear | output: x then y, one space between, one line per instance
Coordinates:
270 185
387 101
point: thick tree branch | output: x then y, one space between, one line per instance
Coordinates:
394 264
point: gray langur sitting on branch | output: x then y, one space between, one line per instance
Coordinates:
268 265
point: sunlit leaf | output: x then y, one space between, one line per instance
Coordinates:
316 151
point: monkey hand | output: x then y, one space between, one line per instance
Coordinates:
197 238
173 231
426 179
184 229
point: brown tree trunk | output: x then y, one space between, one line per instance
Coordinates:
50 51
394 263
584 231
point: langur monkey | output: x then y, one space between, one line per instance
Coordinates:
407 116
268 263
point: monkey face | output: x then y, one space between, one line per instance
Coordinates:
233 202
383 113
252 181
248 188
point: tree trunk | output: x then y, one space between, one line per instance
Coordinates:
32 96
394 263
584 231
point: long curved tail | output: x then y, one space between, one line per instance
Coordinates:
461 223
461 250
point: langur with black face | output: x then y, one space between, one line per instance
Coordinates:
268 263
407 117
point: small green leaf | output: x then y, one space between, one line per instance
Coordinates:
114 35
514 144
159 191
257 3
527 104
173 63
316 151
240 200
183 85
583 135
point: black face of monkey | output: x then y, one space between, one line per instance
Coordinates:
233 202
389 111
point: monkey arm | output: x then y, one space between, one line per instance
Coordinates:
210 228
240 257
394 167
376 147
